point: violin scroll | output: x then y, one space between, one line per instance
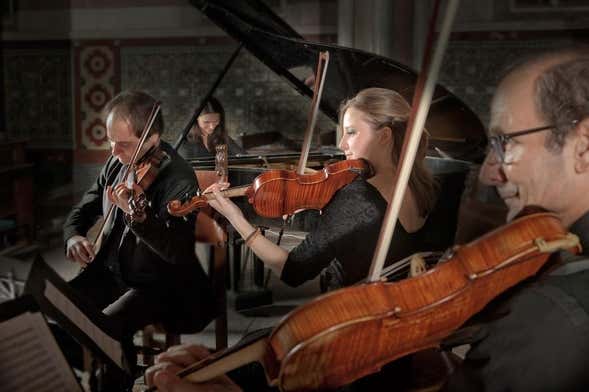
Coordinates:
177 208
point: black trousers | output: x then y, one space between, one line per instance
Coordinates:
130 309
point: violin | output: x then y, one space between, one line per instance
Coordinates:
146 171
150 165
276 193
279 193
347 334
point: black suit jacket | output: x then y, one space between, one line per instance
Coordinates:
158 253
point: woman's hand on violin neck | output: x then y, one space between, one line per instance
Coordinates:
222 204
163 373
217 186
120 194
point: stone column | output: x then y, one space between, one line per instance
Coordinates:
382 27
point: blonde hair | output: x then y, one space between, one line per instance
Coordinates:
387 108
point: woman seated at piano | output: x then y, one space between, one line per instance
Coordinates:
208 132
340 248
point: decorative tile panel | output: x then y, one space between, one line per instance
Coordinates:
96 80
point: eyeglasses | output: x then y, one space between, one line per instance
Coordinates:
499 142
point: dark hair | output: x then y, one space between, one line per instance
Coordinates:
562 97
384 107
219 135
135 107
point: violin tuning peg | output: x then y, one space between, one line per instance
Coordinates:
149 204
185 219
168 224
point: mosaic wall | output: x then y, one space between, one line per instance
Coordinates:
472 68
37 88
39 103
255 98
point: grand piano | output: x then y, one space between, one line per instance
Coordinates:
456 135
455 131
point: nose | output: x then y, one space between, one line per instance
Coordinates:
115 148
491 172
343 143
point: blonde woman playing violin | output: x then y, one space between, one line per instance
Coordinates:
372 126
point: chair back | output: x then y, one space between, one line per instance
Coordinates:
207 229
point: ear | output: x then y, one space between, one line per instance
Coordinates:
386 135
582 147
154 139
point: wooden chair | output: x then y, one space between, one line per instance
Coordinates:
207 231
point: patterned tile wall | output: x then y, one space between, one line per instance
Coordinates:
254 97
39 95
38 99
472 68
96 84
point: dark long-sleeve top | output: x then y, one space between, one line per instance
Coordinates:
343 243
192 148
158 252
535 337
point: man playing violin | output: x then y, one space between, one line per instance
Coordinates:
146 270
538 339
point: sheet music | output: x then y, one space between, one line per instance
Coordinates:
30 359
110 346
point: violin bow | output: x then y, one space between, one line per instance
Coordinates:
422 97
148 124
312 119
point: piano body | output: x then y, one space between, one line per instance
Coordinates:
456 135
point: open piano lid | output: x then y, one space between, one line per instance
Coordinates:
453 127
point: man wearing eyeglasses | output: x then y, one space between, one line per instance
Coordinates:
538 336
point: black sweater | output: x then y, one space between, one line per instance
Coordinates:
158 253
343 243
